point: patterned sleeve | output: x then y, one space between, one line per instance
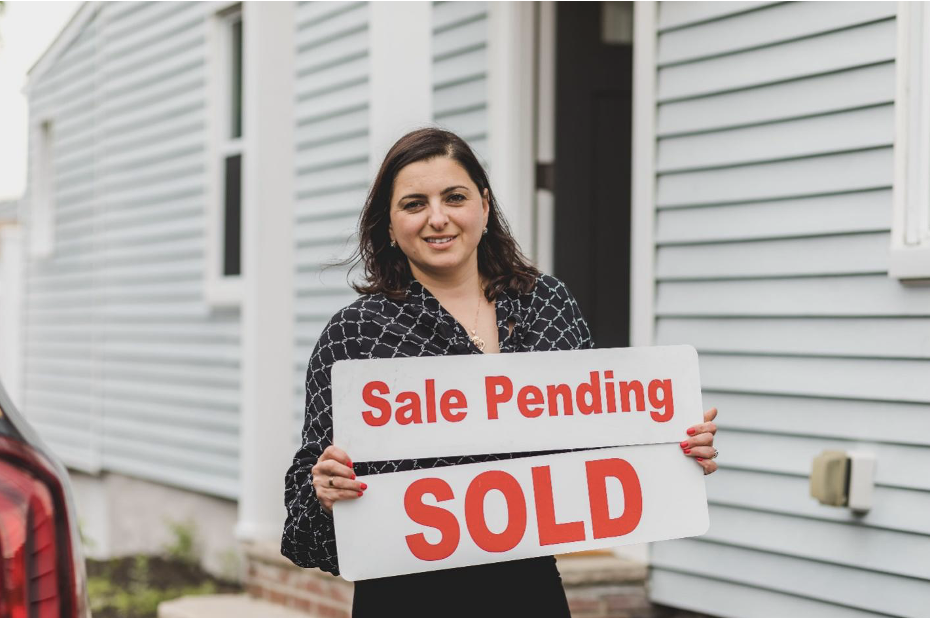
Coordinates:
579 325
309 538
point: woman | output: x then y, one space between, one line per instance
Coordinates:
443 276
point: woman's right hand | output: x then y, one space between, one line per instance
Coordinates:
333 478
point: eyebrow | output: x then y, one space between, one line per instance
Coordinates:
423 195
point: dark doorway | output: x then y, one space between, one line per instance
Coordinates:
593 109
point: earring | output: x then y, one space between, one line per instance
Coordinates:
484 232
393 243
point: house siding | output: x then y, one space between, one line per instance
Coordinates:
774 173
332 167
128 369
332 142
460 71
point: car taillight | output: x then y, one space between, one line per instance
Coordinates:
36 568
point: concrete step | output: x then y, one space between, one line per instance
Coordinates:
225 606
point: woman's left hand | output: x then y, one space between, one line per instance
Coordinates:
700 442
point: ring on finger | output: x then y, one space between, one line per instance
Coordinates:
714 456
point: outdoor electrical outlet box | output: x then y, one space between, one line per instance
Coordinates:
841 478
829 478
861 480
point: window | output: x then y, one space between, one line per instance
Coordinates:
910 231
226 152
42 210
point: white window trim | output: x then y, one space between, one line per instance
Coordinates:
42 190
909 258
219 290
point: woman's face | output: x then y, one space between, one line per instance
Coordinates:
437 218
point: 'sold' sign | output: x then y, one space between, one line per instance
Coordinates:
424 520
439 518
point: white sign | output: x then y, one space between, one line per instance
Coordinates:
425 520
499 403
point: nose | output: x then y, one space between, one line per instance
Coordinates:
437 215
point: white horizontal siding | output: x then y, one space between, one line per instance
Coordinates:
871 127
774 172
863 211
842 585
875 337
774 25
849 254
733 600
122 299
835 51
331 166
674 15
853 171
868 295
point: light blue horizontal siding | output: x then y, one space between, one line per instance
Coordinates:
332 167
774 173
120 344
460 71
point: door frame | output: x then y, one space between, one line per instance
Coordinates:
642 199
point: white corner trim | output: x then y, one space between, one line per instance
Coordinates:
643 210
910 230
511 115
267 396
400 78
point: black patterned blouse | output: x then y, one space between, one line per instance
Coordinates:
373 326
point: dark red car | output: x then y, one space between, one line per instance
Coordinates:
41 562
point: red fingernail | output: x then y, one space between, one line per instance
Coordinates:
364 486
684 444
359 494
350 464
353 476
687 450
699 458
691 431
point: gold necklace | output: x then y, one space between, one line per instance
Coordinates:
475 339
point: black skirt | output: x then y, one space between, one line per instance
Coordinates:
530 587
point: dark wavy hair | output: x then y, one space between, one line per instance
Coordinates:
387 270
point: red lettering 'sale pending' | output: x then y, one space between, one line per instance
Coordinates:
519 508
448 406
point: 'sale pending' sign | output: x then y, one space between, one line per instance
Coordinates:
502 403
439 518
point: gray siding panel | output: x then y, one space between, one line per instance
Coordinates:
864 211
673 15
733 600
871 127
774 25
835 51
774 174
838 584
332 174
120 304
460 71
61 394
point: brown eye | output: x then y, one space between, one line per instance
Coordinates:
457 195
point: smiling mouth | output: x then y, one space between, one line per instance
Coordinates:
440 241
